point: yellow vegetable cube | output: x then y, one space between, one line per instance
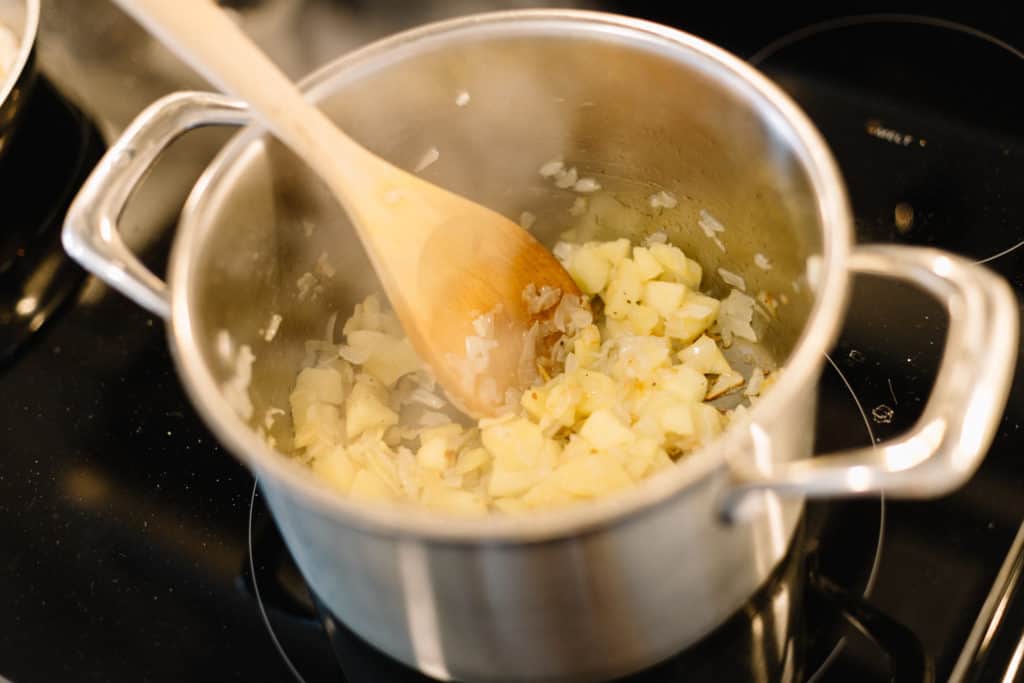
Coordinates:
587 346
515 444
640 357
708 422
335 467
640 457
647 426
433 455
547 494
378 458
615 251
593 475
664 297
614 329
661 461
320 424
589 269
683 382
677 418
471 460
322 384
604 430
599 391
677 267
648 266
693 318
705 357
387 357
576 448
449 433
624 290
560 406
365 411
642 320
533 401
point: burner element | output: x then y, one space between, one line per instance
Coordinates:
923 116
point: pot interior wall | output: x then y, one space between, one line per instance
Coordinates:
636 119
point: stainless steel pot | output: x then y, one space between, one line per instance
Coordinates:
604 588
21 19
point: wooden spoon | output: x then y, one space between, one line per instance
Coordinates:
444 261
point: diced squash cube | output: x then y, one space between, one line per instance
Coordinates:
664 297
640 357
387 357
576 448
613 329
642 320
587 346
647 426
471 460
365 411
378 459
507 482
515 444
624 290
708 422
320 424
599 391
640 457
547 494
533 401
592 475
550 455
433 455
589 269
705 357
661 461
677 267
335 467
648 266
604 430
615 251
323 384
448 433
683 382
677 418
693 318
560 406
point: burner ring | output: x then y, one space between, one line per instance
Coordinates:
914 111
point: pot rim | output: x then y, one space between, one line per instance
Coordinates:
801 370
26 46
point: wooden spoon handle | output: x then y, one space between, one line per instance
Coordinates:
206 38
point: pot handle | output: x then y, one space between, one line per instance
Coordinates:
946 445
91 233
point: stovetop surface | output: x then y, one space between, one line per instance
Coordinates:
126 528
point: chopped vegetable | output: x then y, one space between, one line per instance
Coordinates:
628 400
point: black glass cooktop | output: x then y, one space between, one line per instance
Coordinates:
135 549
